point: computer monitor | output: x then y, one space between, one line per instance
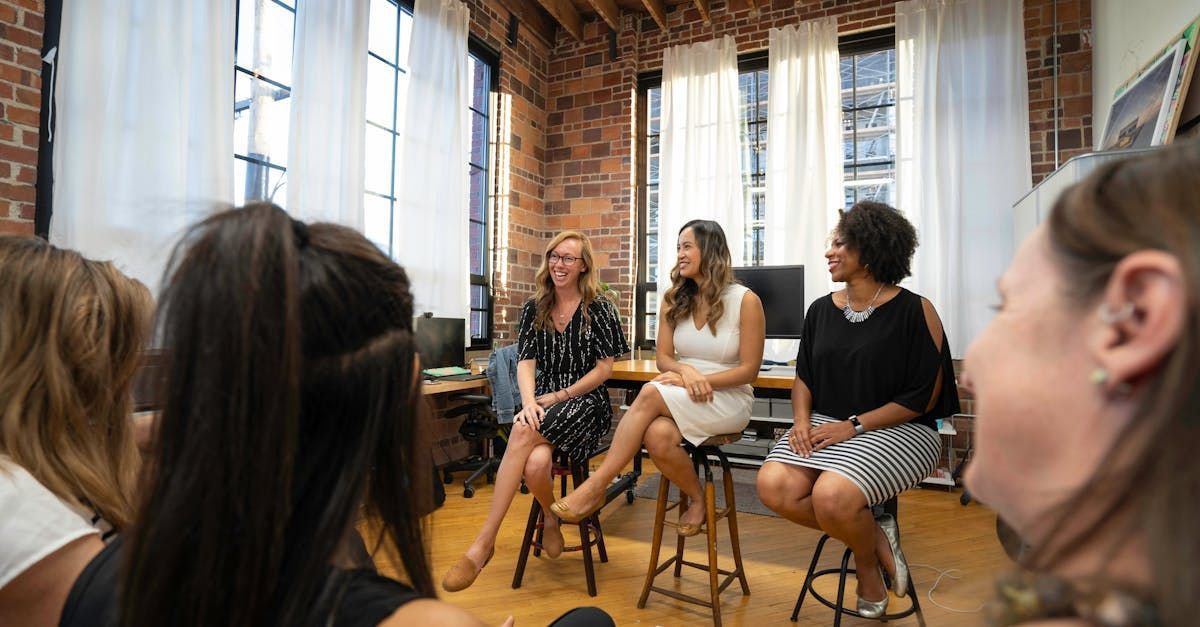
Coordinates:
441 342
781 290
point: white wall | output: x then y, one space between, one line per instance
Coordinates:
1126 33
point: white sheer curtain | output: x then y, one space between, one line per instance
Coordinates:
963 149
145 133
430 235
804 154
328 117
701 173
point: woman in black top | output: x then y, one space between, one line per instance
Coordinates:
289 405
568 337
872 375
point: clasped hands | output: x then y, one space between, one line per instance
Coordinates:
803 438
690 379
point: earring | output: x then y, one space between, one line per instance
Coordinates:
1108 316
1100 378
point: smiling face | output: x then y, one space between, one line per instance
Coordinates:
565 262
687 255
843 261
1041 429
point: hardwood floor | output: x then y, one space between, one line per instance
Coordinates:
936 531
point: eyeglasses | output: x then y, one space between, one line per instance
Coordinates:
567 260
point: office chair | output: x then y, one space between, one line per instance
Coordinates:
488 418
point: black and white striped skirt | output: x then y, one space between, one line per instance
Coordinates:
881 463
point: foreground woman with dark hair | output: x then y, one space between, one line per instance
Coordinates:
290 399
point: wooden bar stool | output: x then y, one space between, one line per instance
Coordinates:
590 533
700 456
839 608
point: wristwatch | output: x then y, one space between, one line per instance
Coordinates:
858 426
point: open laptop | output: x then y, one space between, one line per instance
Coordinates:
441 344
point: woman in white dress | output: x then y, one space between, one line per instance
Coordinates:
709 348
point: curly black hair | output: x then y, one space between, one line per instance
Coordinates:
884 238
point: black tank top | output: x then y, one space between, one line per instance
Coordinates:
365 601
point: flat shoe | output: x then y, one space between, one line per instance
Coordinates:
552 541
565 514
463 573
873 609
688 530
890 530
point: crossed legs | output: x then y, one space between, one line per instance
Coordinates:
648 420
829 502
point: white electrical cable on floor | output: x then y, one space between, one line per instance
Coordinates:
952 573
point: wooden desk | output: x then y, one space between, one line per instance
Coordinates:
631 373
444 387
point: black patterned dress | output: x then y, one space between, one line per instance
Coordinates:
575 425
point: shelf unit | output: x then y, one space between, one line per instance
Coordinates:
946 432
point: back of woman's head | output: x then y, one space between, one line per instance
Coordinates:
289 400
716 273
1147 203
71 335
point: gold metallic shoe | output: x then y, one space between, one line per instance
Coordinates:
463 573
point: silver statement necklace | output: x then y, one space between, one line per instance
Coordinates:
859 316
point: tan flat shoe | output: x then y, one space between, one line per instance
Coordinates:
565 514
552 541
688 530
463 573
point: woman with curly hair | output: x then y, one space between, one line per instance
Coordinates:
709 347
872 375
72 332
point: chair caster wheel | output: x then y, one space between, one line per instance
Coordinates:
629 497
524 489
468 492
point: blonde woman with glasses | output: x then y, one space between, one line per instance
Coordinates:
569 335
71 336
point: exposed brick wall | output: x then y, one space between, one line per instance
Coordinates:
1074 81
518 159
21 26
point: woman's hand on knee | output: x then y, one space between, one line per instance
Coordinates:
531 417
669 378
800 438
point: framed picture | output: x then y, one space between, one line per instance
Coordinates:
1139 114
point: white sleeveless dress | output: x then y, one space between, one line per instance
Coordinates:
729 410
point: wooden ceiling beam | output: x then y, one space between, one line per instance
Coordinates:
533 19
658 12
702 6
566 15
609 12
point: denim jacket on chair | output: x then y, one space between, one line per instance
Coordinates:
502 374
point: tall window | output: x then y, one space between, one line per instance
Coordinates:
869 118
868 72
262 90
263 68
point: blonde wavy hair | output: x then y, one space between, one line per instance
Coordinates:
716 273
72 332
589 281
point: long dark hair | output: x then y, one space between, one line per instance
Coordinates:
1144 203
716 273
289 400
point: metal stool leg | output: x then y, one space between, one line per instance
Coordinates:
841 600
808 579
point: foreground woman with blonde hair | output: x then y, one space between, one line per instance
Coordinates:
71 335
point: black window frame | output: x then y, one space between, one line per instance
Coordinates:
857 43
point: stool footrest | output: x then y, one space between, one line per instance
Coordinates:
846 610
682 597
